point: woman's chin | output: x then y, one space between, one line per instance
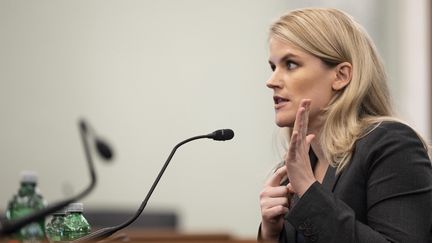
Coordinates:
284 123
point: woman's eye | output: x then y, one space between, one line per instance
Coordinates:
273 67
291 65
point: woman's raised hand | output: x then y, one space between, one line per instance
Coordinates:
297 160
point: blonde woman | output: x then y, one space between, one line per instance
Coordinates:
352 172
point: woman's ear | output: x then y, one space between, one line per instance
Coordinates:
343 76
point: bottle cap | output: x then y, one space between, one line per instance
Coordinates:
28 176
75 207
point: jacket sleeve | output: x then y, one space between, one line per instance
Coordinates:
398 177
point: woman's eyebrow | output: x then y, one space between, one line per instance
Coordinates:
286 57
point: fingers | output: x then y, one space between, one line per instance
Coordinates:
297 158
298 119
274 198
277 177
309 139
290 188
270 202
273 213
293 146
273 192
299 135
302 117
274 202
305 118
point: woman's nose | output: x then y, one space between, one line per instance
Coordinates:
274 81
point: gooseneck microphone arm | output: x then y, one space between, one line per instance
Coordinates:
84 133
9 227
219 135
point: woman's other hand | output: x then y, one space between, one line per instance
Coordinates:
274 202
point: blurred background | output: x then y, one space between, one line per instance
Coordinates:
148 74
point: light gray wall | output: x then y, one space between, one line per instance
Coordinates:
146 75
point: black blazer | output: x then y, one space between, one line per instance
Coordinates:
384 194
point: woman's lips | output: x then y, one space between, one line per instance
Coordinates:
280 101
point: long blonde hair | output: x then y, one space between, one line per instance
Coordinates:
334 37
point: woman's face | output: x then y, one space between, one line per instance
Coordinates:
298 75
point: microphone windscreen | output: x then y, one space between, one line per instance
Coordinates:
222 134
104 150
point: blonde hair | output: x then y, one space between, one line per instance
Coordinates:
334 37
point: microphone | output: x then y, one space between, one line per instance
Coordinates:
105 152
219 135
222 135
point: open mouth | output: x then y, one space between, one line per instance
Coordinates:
277 100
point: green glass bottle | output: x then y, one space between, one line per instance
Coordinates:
75 224
54 229
25 202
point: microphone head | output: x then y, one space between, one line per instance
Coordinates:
222 134
104 149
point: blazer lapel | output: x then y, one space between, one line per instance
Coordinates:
331 179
